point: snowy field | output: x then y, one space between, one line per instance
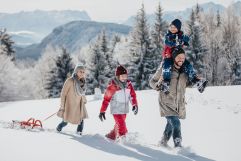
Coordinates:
211 131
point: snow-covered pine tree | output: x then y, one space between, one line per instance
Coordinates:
213 37
93 66
197 50
113 62
15 83
231 46
108 54
150 66
15 79
7 84
59 73
42 71
141 65
115 39
97 65
191 22
157 34
218 19
197 12
6 44
121 51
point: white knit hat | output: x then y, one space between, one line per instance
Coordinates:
78 67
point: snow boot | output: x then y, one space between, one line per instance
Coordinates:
80 127
165 87
177 142
79 133
164 141
58 129
111 135
201 85
61 125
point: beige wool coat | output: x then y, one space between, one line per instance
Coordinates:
72 104
172 104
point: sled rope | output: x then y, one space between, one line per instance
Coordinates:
49 117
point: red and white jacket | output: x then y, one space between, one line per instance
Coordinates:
118 95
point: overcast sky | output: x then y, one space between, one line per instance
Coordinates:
102 10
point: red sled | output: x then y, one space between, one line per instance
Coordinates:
29 124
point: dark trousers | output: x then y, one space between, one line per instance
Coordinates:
173 128
79 127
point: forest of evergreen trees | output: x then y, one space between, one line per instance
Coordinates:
214 51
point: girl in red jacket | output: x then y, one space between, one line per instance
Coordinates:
118 94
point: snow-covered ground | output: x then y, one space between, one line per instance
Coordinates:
211 131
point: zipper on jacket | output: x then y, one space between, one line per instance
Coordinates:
176 91
125 96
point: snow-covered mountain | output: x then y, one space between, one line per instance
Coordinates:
184 15
39 23
72 36
25 38
210 132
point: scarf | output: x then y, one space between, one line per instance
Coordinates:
80 85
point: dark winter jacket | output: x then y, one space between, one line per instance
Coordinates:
174 40
119 95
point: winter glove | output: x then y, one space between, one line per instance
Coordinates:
185 38
102 116
172 37
135 109
186 44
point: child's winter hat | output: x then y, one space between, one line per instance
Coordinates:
120 70
177 23
176 51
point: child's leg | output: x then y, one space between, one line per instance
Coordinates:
193 77
166 69
119 128
113 133
166 74
120 121
189 70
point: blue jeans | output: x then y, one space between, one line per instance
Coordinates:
173 128
63 124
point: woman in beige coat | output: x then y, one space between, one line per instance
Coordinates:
73 100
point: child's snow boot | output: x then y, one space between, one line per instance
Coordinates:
201 85
111 135
165 87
